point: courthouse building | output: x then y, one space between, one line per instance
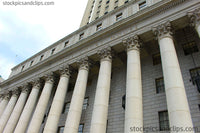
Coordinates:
131 64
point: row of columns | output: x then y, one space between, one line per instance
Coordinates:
15 114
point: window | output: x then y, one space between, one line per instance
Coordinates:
190 48
107 7
199 107
195 76
107 1
67 42
142 4
66 107
80 128
124 101
31 63
41 57
126 2
22 68
81 36
52 51
163 120
118 16
160 86
106 12
156 59
99 27
61 129
116 1
85 103
116 7
100 1
194 72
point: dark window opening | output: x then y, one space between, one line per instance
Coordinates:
31 63
41 57
163 121
156 59
160 86
66 43
190 47
80 128
195 77
124 101
60 129
22 68
99 27
66 107
142 5
52 51
81 36
118 17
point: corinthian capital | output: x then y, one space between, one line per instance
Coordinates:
25 87
83 63
15 92
105 53
162 30
49 77
132 43
194 17
36 83
65 70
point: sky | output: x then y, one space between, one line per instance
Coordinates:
27 29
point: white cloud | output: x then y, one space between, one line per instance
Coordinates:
5 67
25 30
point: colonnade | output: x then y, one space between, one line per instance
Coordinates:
24 112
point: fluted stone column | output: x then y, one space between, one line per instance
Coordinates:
28 109
177 103
8 110
134 106
4 103
38 115
194 17
75 110
100 109
12 122
58 102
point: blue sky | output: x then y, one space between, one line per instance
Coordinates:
25 30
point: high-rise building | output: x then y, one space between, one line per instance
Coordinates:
133 66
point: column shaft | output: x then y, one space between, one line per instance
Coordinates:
27 112
12 122
75 110
38 115
134 107
178 109
3 105
7 112
57 105
177 104
100 109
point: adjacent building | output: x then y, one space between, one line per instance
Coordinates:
132 66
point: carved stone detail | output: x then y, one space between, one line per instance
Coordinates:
105 53
49 77
36 83
163 30
194 17
65 70
83 63
26 88
132 43
15 92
